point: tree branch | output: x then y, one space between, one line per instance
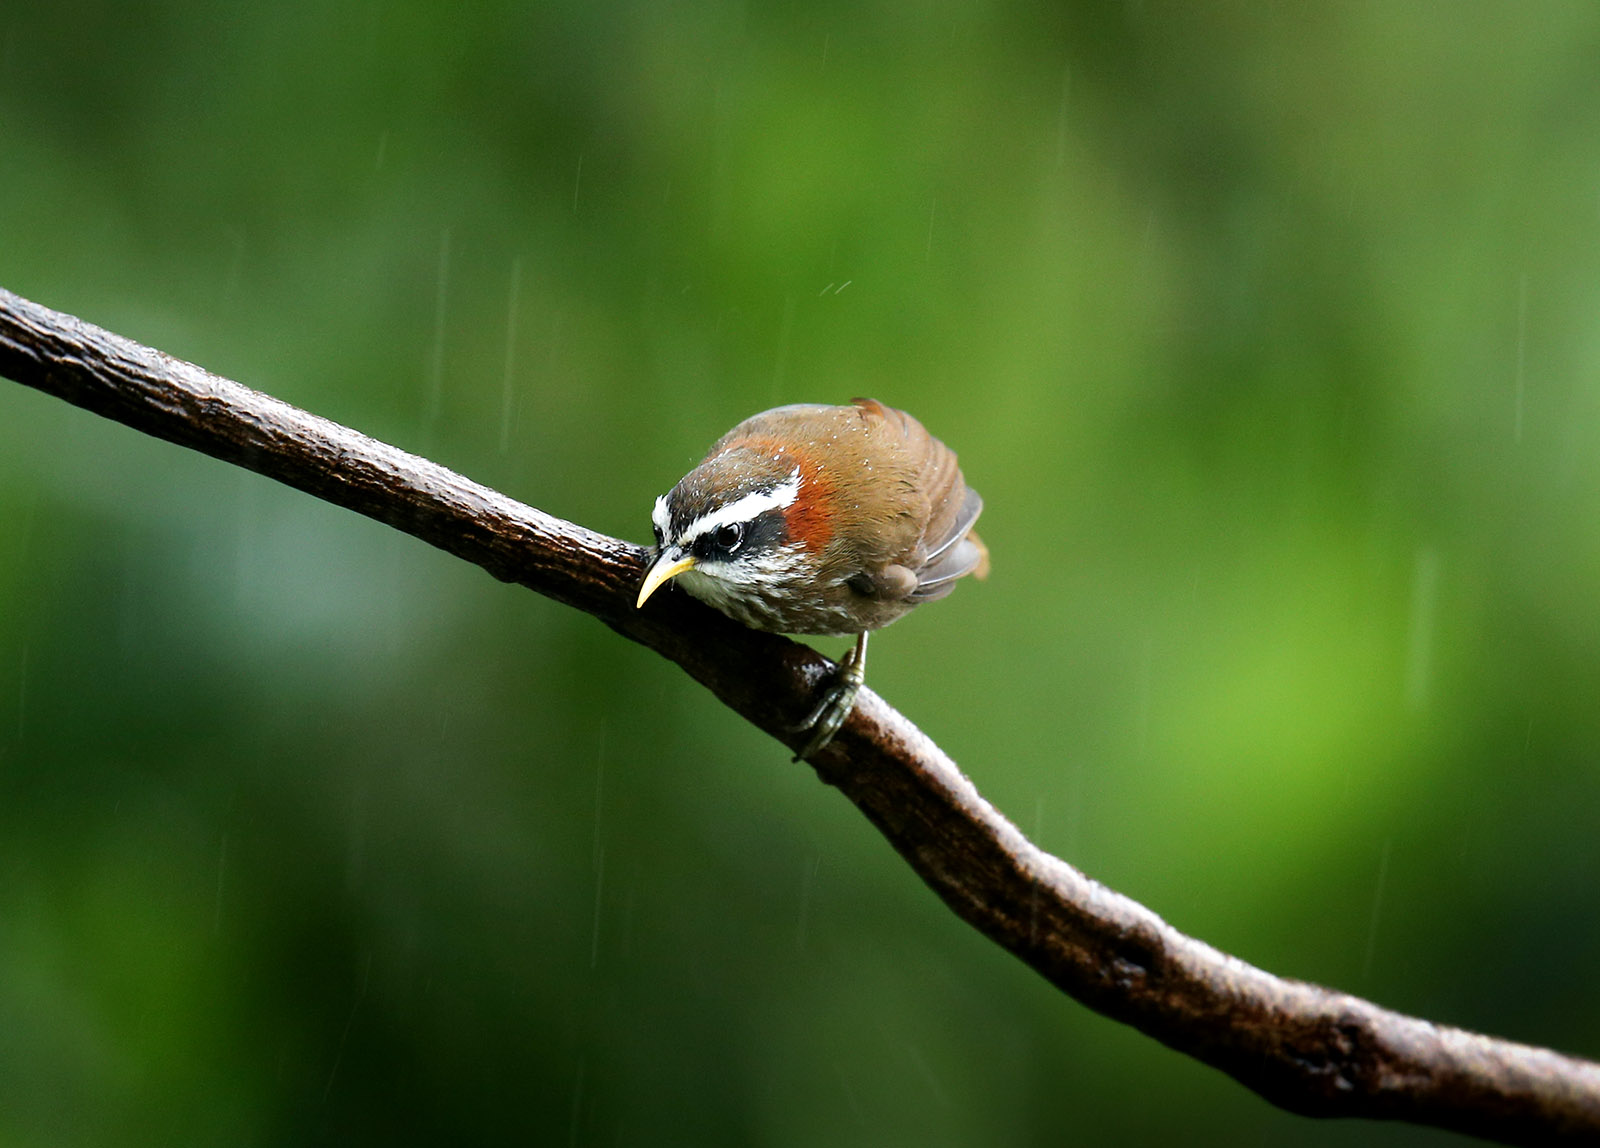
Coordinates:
1305 1048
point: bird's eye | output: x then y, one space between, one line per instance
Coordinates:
729 537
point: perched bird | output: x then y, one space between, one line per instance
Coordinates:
813 519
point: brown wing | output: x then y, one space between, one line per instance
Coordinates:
929 536
960 553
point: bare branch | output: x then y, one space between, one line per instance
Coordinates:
1305 1048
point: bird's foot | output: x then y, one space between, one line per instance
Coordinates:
837 700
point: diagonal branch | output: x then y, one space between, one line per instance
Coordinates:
1308 1049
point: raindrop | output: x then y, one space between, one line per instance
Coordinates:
1147 658
849 1093
235 270
436 363
925 1069
1419 650
577 1101
222 868
511 354
355 860
1070 838
599 848
22 693
599 898
1522 355
1061 117
784 333
1377 906
808 889
344 1037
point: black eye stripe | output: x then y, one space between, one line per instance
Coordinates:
705 494
732 541
723 543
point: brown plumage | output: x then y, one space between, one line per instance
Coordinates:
814 519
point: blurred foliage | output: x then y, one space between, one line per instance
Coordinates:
1268 333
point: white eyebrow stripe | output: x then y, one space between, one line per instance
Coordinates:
746 509
661 517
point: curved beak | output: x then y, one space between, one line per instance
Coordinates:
668 566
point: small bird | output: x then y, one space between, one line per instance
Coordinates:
812 519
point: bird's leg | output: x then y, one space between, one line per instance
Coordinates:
837 700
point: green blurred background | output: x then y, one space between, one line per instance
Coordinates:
1271 337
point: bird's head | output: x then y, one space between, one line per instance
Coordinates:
736 527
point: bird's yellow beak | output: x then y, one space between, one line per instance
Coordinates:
666 568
